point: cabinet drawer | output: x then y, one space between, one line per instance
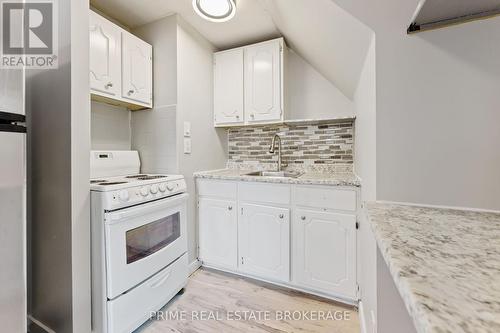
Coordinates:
130 310
215 188
325 197
265 192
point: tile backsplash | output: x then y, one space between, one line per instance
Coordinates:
325 143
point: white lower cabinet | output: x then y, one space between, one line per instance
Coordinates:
218 234
264 241
324 252
277 233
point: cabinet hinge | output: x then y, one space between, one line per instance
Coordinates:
357 225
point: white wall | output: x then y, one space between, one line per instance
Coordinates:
154 131
195 105
154 136
365 167
110 127
183 88
365 100
80 169
311 95
437 108
58 119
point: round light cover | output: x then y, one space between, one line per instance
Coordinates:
215 10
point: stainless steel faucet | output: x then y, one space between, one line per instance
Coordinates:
271 149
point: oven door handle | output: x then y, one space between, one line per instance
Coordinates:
161 280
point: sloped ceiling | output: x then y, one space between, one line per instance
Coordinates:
325 35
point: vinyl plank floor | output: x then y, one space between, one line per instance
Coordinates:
213 300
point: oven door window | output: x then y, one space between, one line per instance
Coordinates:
150 238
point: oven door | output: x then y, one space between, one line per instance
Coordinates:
142 240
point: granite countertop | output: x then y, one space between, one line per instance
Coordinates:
445 264
307 178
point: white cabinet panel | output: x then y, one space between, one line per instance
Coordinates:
326 197
264 241
324 253
263 82
217 188
218 232
105 56
267 193
228 90
137 69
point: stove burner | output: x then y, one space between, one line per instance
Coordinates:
112 183
137 176
97 181
151 177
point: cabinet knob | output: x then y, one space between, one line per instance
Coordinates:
252 115
303 218
237 117
131 91
230 208
109 85
282 216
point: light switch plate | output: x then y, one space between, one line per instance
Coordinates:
187 145
187 129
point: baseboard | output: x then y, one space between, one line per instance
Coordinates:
362 317
194 266
36 326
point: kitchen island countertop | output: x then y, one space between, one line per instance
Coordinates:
445 264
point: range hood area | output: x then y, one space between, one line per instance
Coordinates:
435 14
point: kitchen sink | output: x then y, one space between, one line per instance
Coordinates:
275 174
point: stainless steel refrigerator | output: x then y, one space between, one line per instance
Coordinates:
12 203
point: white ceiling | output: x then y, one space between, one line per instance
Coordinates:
326 36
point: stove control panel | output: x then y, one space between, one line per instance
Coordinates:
144 193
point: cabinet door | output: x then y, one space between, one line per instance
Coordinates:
263 82
264 241
137 70
325 252
228 91
105 57
218 233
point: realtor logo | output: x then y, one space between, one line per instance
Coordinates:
29 34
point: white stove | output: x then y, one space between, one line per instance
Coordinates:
117 174
139 240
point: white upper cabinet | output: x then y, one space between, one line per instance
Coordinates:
121 67
264 241
105 57
137 69
263 82
249 84
218 231
324 252
228 81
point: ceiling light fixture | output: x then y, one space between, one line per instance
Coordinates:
215 10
